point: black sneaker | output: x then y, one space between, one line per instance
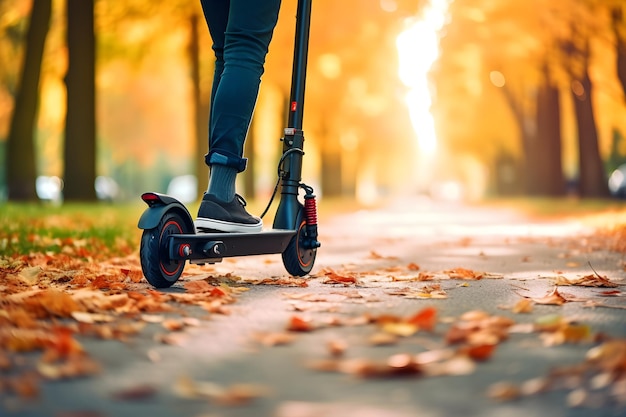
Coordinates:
215 215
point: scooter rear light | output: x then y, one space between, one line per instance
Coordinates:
150 198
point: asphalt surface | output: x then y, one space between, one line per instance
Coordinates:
382 249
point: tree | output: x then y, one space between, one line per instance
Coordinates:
618 24
592 178
551 179
541 49
21 166
200 105
80 127
583 24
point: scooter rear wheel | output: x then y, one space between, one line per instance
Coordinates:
298 261
157 267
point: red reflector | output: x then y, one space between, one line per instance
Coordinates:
294 105
149 197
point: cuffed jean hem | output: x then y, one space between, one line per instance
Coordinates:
226 159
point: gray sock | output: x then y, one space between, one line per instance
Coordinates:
222 182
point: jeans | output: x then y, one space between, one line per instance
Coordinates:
241 31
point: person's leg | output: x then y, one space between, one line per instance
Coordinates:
247 38
240 57
222 179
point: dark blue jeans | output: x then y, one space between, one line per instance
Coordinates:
241 31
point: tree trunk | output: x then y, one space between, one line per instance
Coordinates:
620 45
200 107
20 154
532 176
80 124
551 181
592 178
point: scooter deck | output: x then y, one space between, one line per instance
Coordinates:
212 247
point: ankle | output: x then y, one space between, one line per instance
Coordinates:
222 182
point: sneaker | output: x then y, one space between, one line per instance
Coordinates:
215 215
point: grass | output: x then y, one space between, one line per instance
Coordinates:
27 228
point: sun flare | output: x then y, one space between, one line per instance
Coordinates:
418 49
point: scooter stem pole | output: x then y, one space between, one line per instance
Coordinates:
293 141
298 76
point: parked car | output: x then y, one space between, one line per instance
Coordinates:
617 182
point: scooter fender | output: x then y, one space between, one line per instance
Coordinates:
155 212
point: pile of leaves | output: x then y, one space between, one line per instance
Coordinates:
48 302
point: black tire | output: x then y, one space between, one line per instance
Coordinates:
298 261
157 267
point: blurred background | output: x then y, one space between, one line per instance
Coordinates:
454 99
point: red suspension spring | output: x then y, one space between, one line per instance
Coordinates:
310 210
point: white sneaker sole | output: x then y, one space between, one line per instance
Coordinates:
227 227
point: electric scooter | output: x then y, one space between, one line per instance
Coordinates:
170 239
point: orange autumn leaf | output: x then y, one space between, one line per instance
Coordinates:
135 275
413 267
217 292
524 305
335 278
101 282
552 298
376 255
425 318
479 352
587 281
611 293
198 286
52 303
463 273
298 324
61 345
402 329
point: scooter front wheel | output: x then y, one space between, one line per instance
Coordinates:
297 259
157 267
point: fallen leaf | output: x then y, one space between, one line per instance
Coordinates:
382 339
29 275
282 282
236 394
337 347
413 267
552 298
611 293
587 281
200 286
84 317
74 367
479 353
275 338
335 278
424 319
463 273
525 305
173 325
136 393
400 329
25 385
376 255
298 324
503 391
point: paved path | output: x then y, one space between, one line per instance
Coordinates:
382 249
